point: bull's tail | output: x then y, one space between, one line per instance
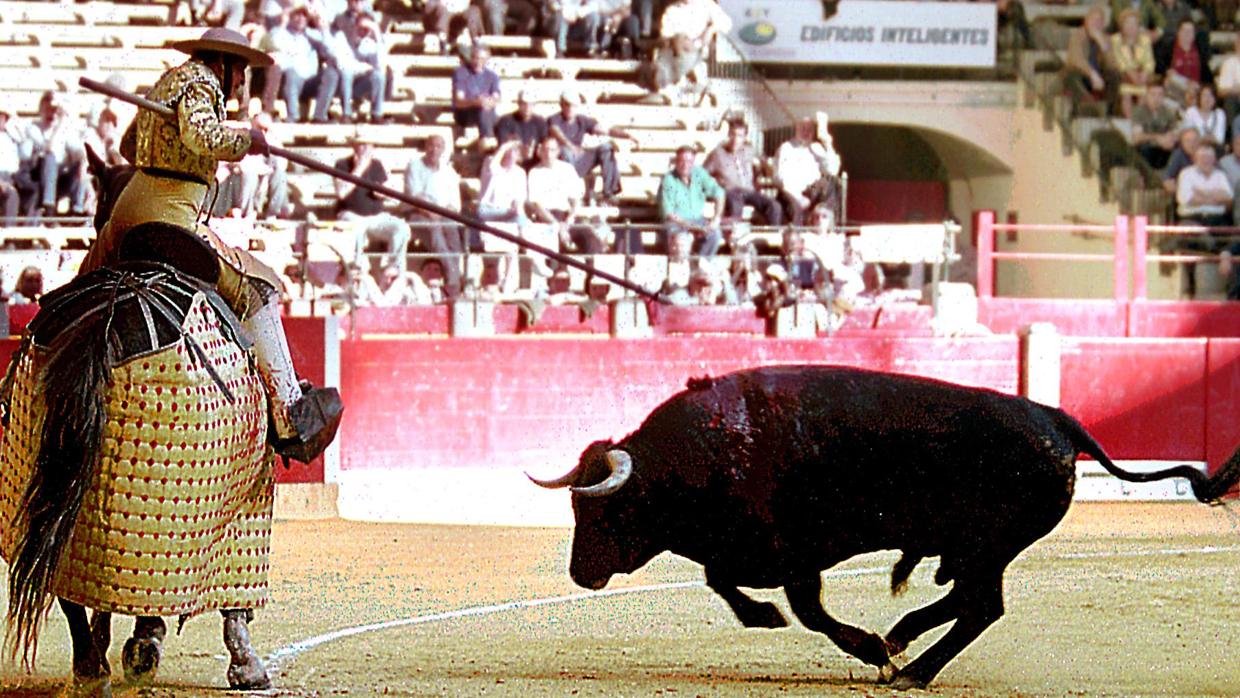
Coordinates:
1205 489
73 384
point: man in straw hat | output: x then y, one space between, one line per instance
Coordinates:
174 489
176 160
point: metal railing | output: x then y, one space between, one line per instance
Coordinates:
1130 250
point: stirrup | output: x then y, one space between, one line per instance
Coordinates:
316 417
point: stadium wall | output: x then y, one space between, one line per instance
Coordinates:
443 429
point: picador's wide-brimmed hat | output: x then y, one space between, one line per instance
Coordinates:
223 40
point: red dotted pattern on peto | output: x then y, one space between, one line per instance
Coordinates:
178 519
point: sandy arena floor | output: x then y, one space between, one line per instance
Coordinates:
1122 600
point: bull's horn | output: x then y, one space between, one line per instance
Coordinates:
561 481
621 465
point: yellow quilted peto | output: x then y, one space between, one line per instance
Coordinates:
178 518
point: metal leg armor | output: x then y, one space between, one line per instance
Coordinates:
304 418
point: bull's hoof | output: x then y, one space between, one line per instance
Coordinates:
140 658
904 682
887 673
97 687
763 614
250 676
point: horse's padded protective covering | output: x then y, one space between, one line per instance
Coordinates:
177 517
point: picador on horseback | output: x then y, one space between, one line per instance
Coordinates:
149 399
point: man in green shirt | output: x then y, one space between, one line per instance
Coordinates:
682 203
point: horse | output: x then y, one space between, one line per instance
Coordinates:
131 374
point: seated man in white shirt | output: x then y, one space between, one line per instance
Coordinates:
807 167
686 32
431 177
555 193
1203 195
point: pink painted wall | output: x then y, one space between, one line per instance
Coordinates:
526 402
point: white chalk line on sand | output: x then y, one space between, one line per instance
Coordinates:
290 651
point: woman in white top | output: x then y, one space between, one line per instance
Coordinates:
505 190
1206 116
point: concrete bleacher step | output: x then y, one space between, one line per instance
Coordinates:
517 66
129 36
96 13
316 188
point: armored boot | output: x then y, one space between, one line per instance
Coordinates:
141 655
245 670
304 418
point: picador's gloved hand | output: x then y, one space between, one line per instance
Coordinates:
258 143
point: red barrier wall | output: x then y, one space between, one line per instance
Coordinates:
1141 399
538 402
1222 427
1184 319
307 345
1075 318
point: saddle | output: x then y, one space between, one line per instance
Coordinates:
141 302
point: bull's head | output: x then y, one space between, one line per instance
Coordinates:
611 536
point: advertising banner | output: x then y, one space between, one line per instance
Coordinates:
865 32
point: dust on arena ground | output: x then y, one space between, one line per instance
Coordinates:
1121 600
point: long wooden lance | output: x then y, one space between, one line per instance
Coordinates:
470 221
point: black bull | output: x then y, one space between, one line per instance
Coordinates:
769 476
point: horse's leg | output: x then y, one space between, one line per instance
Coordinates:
101 633
89 676
245 670
142 652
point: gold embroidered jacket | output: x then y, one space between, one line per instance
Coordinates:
193 143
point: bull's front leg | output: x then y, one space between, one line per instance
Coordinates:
751 613
806 599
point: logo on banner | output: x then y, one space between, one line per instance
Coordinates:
757 33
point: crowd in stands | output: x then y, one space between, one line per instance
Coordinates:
1151 61
554 179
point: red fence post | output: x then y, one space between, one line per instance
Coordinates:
984 226
1140 247
1121 258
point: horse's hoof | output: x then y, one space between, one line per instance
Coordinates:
140 658
91 688
251 676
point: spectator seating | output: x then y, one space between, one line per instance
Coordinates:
45 45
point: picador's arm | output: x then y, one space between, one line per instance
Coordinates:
202 131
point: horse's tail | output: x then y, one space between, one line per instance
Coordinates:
73 383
